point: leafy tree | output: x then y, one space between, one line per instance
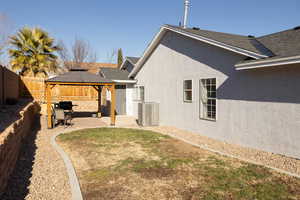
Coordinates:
120 57
33 52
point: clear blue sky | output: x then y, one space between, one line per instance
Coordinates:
131 24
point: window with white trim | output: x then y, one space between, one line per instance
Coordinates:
187 90
139 93
208 99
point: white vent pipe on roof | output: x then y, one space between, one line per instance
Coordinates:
186 12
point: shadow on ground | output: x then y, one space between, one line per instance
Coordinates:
10 113
77 114
17 188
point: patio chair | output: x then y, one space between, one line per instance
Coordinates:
61 116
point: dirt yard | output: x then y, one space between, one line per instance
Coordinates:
116 163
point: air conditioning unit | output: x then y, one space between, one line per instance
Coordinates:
148 114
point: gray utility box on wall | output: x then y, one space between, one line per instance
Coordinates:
148 114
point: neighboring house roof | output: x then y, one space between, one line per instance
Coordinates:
133 60
274 47
79 75
117 75
94 67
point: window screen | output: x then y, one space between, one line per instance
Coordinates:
187 90
208 98
139 93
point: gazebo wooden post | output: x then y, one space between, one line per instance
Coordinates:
99 100
49 112
113 105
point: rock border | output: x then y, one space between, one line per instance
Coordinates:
215 151
73 180
235 157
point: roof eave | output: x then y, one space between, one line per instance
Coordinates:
147 52
165 28
122 65
125 81
268 63
131 62
219 44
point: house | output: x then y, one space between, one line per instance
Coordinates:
238 89
124 89
129 63
92 67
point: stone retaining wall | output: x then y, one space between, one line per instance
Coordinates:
11 140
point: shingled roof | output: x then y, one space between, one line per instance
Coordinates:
277 46
133 60
244 42
114 74
274 49
92 67
79 75
284 45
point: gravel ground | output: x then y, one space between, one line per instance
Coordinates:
265 158
49 176
40 172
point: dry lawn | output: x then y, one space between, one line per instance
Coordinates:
114 163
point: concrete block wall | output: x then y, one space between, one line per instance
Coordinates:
11 140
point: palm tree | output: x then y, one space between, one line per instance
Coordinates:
33 52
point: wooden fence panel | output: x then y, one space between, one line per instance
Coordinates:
32 88
9 85
35 88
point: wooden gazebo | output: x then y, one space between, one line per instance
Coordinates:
80 77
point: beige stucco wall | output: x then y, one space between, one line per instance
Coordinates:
255 108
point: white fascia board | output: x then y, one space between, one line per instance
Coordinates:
268 63
121 67
131 62
124 81
164 29
148 51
